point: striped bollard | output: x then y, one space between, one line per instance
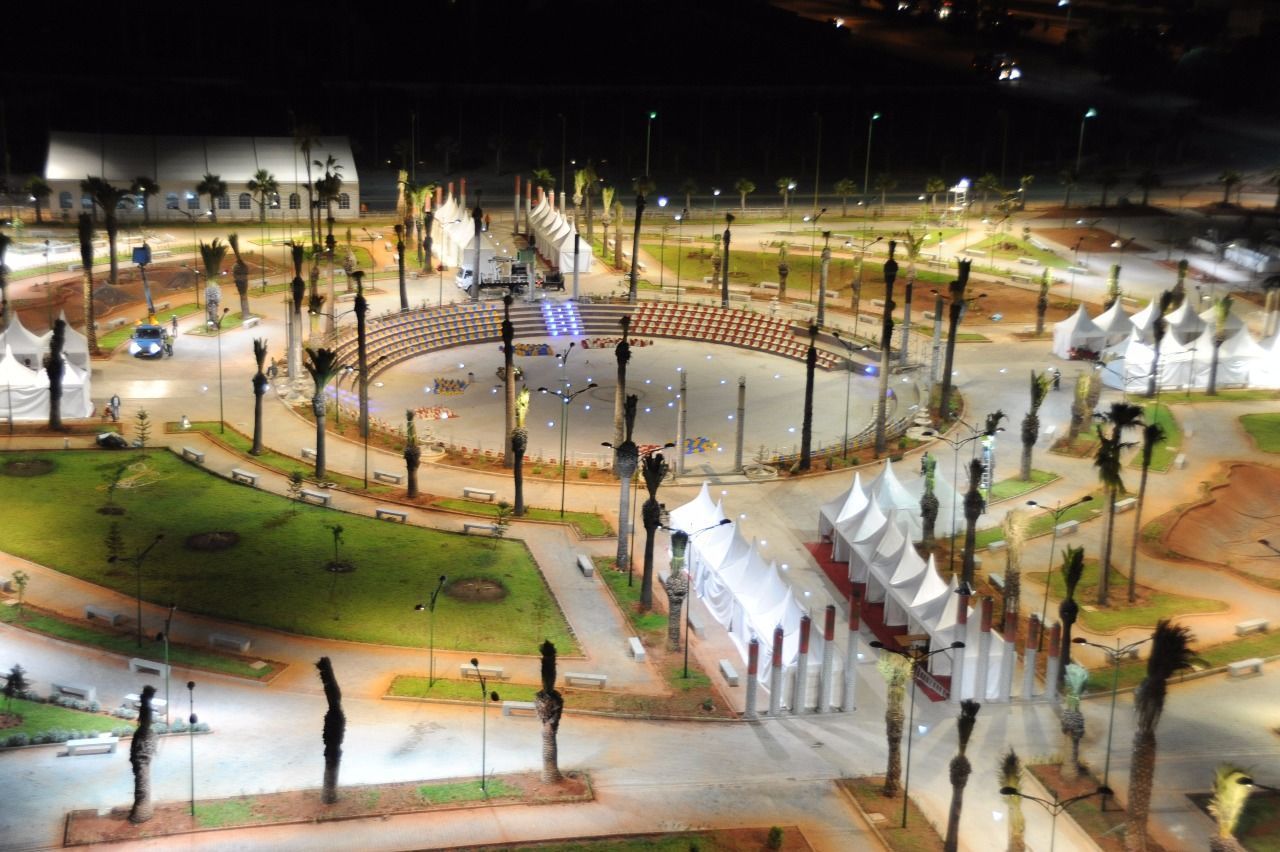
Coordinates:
828 659
1053 667
800 689
848 704
984 650
775 675
1029 658
1008 655
753 680
957 665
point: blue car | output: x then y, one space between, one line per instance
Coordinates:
147 341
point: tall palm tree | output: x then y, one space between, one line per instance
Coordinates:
643 186
1015 526
785 185
212 255
404 289
56 367
913 245
1121 416
1068 610
1170 653
335 730
1152 435
956 290
142 750
960 770
1180 285
306 138
896 671
1042 300
5 241
298 290
974 506
1221 313
259 390
412 453
929 502
653 469
617 234
543 179
39 190
145 187
215 187
886 349
1159 327
1229 180
724 260
806 424
1031 422
323 365
519 443
784 270
932 187
744 187
1146 181
883 184
621 355
107 197
1068 179
549 704
1009 771
590 185
328 188
264 185
1230 794
844 188
85 232
240 274
985 186
626 459
1072 720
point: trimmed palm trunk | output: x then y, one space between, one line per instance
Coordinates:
724 261
322 364
549 704
1072 720
412 454
240 275
960 770
1042 302
1222 312
806 425
677 586
298 290
886 349
335 729
56 368
622 355
508 380
1072 569
1152 435
633 285
956 290
142 750
404 288
259 390
1159 327
974 506
626 460
1010 773
1031 423
1231 789
1107 460
519 444
653 470
84 230
929 502
896 671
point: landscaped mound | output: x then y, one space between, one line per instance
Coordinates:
1225 530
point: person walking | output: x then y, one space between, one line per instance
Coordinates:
173 322
115 407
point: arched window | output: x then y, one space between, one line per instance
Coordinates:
295 203
171 201
64 200
344 201
224 202
246 203
193 201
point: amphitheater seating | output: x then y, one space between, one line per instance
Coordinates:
404 335
718 325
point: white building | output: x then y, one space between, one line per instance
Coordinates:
178 164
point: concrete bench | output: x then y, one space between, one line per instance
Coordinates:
92 745
308 453
73 267
929 315
636 648
468 670
485 493
116 323
230 642
75 690
976 252
1253 625
487 529
160 254
1076 270
134 702
1028 261
997 546
92 611
1126 504
248 478
728 672
1020 279
1180 461
388 476
1068 527
193 454
510 708
877 303
774 286
585 565
586 678
251 322
695 623
383 513
1035 243
320 498
1240 668
996 581
351 297
137 665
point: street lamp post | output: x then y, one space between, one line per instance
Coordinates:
485 698
168 621
216 325
1057 513
191 739
1056 807
567 399
195 245
648 134
813 246
680 217
866 172
1090 113
430 607
635 496
915 656
715 196
1114 655
662 247
857 286
791 186
137 560
679 546
955 445
849 349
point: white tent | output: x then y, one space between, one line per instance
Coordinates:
1240 359
1210 318
1115 324
1183 323
886 490
842 507
1077 332
74 345
76 391
929 601
857 544
882 559
698 513
28 348
1144 320
24 393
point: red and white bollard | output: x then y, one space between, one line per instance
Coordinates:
775 676
1053 667
800 689
1029 658
828 656
753 677
1008 655
962 635
848 703
984 651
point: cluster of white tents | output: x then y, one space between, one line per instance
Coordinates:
1126 344
453 238
553 239
24 384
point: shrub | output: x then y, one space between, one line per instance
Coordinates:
537 470
583 473
75 703
121 731
775 838
15 740
125 713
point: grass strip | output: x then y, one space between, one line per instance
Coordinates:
1015 487
628 598
588 523
918 836
465 791
1166 450
1152 605
36 718
1042 523
1264 429
1214 656
412 686
115 338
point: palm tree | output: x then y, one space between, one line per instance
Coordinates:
932 187
1014 526
335 725
323 365
1068 179
328 188
653 469
1221 313
142 750
259 390
55 367
1146 181
974 506
744 187
1152 435
404 289
412 454
913 245
145 187
1107 178
1180 286
883 184
886 348
1113 287
1031 422
784 269
806 425
1170 653
1072 720
298 290
1042 300
896 671
543 179
643 186
107 197
986 185
1009 771
1072 570
1121 416
240 274
844 188
212 255
306 138
956 290
591 182
5 241
1229 180
85 233
688 187
1024 183
214 187
929 502
39 190
785 185
625 460
264 185
1231 789
549 704
1159 327
617 234
622 356
519 443
960 771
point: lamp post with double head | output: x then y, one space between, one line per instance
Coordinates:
137 560
679 547
1114 656
866 172
216 325
567 400
849 348
430 608
956 444
1055 806
680 217
857 286
485 697
813 246
1057 512
635 496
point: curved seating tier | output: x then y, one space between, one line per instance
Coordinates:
399 336
720 325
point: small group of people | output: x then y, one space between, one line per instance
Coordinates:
111 411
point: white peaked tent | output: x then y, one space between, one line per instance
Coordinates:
74 344
442 219
1144 320
948 499
76 392
698 513
1183 324
929 601
1240 359
886 490
843 507
944 629
905 578
1210 318
1115 324
24 393
1077 332
28 348
858 543
882 559
972 658
845 531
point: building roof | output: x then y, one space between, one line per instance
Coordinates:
184 160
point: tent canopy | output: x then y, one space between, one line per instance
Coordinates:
1077 332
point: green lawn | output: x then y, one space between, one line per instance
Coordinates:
1230 395
628 596
226 812
1165 452
411 686
464 791
275 576
38 718
1152 605
1042 523
702 841
588 523
1015 487
1022 248
112 339
1264 429
1254 645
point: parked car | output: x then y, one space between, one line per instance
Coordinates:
147 341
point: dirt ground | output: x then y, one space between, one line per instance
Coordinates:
1226 529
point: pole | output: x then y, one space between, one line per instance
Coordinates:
911 723
564 448
866 172
682 416
848 386
1048 579
168 621
741 423
679 251
191 740
1111 723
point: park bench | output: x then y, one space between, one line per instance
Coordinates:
997 546
230 642
1240 668
586 678
770 285
193 454
134 702
6 585
877 303
92 745
996 581
116 323
74 690
388 476
1253 625
636 647
1036 243
728 672
155 255
1068 527
308 453
321 498
384 513
486 493
251 322
695 622
1126 504
238 475
975 252
510 708
1028 261
147 667
346 297
1020 279
487 529
92 611
1180 461
585 565
468 670
1077 270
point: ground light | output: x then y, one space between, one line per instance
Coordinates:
216 325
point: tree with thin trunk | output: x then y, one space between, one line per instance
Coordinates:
306 138
549 704
1170 653
142 750
1159 328
55 366
986 186
590 184
932 187
956 291
1016 524
508 380
1113 288
622 355
1111 445
85 232
974 506
212 255
240 275
1152 435
960 770
264 185
259 390
1042 300
784 270
677 586
404 289
929 502
1079 405
1180 286
5 241
743 187
38 188
886 350
1072 720
896 671
1068 179
1031 422
1229 180
912 245
1009 771
653 469
1231 789
335 727
643 186
298 290
144 187
626 460
844 188
785 185
412 453
884 184
1068 610
215 187
1221 313
806 424
108 198
520 443
323 365
724 261
617 234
